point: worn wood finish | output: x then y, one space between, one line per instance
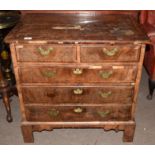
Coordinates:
139 74
112 53
15 66
67 53
105 73
77 28
78 94
129 133
46 53
78 113
48 126
77 70
27 134
134 13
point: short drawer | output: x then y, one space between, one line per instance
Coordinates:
77 75
79 113
80 95
105 53
46 53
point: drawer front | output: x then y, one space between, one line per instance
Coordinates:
79 114
74 95
77 75
46 53
103 53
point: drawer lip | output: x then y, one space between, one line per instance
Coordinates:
132 83
79 105
77 85
110 44
26 104
96 124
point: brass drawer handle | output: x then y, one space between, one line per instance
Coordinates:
105 94
106 74
78 91
103 113
53 113
111 52
48 74
78 110
44 52
77 71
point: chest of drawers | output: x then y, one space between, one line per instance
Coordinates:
77 70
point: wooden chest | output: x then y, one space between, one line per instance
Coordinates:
77 70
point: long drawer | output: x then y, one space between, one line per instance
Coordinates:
105 53
46 53
77 94
78 114
108 73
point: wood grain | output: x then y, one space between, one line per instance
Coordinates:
69 94
98 28
57 53
112 53
77 70
69 114
107 73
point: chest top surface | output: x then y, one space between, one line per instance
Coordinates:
76 27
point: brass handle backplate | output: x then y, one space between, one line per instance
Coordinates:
44 52
48 74
103 113
78 91
77 71
111 52
78 110
106 74
53 113
105 94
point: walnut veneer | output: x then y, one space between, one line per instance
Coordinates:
77 70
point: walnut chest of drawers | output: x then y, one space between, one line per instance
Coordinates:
77 70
